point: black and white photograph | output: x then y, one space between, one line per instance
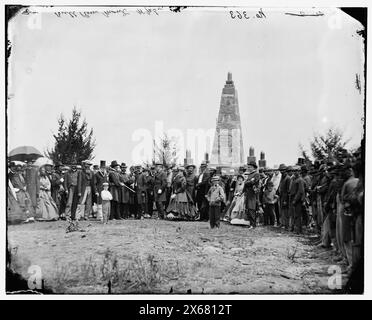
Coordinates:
172 150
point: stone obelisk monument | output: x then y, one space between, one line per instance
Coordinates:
228 140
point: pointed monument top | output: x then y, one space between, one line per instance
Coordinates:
229 76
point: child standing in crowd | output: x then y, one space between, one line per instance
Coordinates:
106 205
215 197
269 200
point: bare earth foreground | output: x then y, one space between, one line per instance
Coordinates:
153 256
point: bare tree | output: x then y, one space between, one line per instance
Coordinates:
166 150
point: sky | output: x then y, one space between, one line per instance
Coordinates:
295 76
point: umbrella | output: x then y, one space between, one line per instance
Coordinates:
19 163
43 161
24 153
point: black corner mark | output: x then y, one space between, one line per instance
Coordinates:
12 10
177 9
359 14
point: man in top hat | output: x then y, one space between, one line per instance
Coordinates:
202 188
57 189
70 186
101 177
115 189
86 188
251 189
126 180
160 185
296 199
284 197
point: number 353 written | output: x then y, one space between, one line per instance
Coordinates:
244 15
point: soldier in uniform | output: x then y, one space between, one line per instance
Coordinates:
284 196
315 212
307 179
296 198
160 185
322 190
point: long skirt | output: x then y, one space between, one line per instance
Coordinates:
15 212
24 202
181 210
46 207
239 215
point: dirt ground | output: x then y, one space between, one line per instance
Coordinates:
154 256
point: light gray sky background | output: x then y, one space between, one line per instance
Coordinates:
294 76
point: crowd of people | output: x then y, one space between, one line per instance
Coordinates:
324 197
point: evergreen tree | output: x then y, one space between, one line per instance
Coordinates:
325 146
73 142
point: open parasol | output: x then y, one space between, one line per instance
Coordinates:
24 153
43 161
